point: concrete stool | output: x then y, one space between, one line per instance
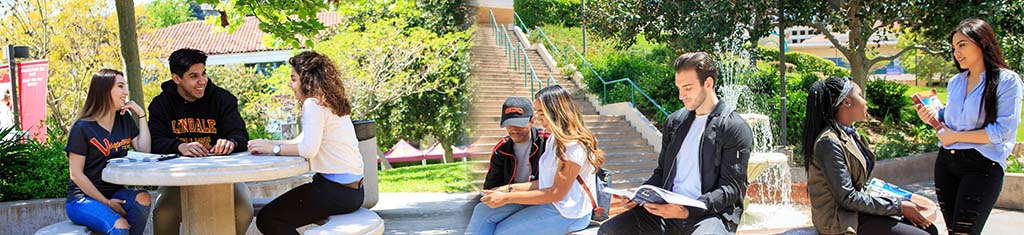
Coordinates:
65 228
361 222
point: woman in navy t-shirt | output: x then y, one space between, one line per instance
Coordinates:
105 130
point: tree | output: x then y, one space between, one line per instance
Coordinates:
164 13
411 80
76 39
925 66
853 27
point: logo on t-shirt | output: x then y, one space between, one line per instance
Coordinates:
106 146
195 126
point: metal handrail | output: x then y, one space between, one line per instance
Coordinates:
521 24
604 83
532 74
542 35
520 51
632 94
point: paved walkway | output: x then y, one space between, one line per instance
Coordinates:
424 213
448 213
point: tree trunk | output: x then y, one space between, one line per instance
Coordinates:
130 49
449 155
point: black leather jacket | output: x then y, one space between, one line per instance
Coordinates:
724 152
835 184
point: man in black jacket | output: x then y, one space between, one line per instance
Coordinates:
705 148
515 158
194 117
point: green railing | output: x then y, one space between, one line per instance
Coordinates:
604 84
518 58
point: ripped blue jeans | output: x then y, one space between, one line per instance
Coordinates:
99 217
967 185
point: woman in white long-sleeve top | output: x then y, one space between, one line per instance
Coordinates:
328 140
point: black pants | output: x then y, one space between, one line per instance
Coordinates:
877 224
967 185
639 221
307 204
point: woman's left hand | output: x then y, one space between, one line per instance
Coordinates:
131 106
494 199
260 146
946 136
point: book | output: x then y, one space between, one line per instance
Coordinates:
930 98
656 195
143 157
879 188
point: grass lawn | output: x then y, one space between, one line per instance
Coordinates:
450 177
941 91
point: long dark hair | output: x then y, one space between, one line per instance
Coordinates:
98 100
821 111
981 33
321 80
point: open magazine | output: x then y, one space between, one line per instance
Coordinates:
651 194
143 157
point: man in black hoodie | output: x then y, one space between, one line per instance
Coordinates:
194 117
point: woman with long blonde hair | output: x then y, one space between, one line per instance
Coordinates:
556 203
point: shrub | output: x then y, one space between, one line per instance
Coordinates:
32 170
535 13
886 100
651 75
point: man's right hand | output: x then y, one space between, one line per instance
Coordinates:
193 149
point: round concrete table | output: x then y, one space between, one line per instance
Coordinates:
206 183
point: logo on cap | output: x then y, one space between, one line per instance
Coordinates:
511 110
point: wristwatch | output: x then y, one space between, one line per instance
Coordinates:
277 149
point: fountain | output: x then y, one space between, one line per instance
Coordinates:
769 204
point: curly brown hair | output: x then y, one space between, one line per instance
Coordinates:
320 79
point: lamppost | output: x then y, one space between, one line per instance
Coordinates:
14 52
782 70
583 4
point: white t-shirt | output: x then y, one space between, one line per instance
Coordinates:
687 180
575 204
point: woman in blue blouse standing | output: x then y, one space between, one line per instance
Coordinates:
979 125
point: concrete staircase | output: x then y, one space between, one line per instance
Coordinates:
493 80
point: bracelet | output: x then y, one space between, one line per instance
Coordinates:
141 117
509 188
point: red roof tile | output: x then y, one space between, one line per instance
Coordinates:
202 36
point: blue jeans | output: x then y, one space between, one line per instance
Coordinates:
522 219
100 218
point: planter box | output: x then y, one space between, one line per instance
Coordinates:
907 170
1012 196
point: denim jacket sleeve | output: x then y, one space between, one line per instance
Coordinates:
830 155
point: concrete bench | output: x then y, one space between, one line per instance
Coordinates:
65 228
362 222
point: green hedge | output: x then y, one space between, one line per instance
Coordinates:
535 13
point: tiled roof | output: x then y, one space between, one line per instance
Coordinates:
203 36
